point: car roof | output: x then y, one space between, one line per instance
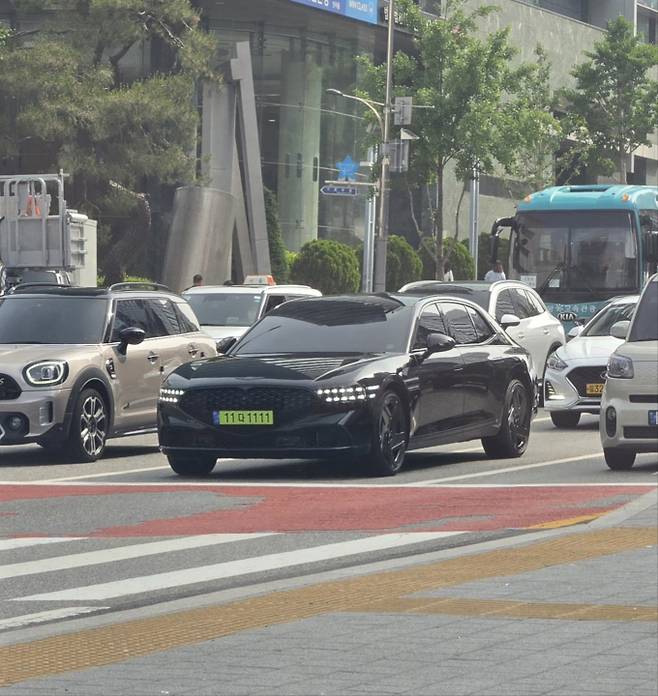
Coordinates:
117 290
248 289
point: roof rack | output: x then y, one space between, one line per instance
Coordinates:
23 287
138 285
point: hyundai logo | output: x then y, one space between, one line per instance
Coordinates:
567 316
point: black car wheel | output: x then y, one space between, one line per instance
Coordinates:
390 435
565 419
512 438
89 427
619 459
200 465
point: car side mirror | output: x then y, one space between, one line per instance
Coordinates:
620 329
575 331
130 336
509 320
224 344
438 343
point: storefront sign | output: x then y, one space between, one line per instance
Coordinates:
363 10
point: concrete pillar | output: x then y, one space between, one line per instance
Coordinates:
299 149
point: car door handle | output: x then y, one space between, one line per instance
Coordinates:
546 332
152 357
192 350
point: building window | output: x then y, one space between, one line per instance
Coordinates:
646 27
578 9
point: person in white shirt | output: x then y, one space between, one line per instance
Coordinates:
496 273
448 275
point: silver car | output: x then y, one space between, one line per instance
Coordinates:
81 365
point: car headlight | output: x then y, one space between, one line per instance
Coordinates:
620 367
46 373
353 394
170 396
555 362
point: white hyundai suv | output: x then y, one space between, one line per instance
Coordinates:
629 407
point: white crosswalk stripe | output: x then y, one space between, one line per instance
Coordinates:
22 542
42 616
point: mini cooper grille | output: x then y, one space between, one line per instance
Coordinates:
580 377
9 389
287 403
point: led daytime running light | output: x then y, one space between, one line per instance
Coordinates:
170 396
344 394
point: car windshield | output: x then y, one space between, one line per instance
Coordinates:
645 326
225 308
331 325
600 325
52 319
574 251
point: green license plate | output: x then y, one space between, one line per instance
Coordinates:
243 417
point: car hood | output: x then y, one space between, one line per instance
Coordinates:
21 354
275 367
586 347
219 332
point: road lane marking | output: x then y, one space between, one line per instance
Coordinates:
121 553
42 616
22 542
232 569
108 473
506 470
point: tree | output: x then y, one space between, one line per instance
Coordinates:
68 99
403 263
329 266
278 257
456 255
467 81
615 98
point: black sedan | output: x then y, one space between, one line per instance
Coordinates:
364 376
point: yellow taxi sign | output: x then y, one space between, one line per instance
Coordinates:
259 280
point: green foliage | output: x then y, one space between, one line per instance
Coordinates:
468 81
614 105
456 257
68 93
329 266
278 257
403 265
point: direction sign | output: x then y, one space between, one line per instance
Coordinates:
332 190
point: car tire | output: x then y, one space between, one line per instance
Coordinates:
390 434
565 419
199 465
89 427
619 459
512 439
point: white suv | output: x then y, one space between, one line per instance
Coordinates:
227 311
629 406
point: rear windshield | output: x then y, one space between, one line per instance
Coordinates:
603 321
224 308
52 319
645 326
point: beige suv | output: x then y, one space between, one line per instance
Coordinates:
81 365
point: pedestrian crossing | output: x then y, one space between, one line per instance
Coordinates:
63 582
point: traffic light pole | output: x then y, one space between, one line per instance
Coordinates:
381 242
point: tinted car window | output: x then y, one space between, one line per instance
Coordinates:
482 326
504 304
273 301
131 314
164 319
52 319
645 326
186 318
603 321
459 323
331 325
524 308
225 308
536 301
430 321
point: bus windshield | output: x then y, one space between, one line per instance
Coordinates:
582 250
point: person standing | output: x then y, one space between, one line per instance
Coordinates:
496 273
197 280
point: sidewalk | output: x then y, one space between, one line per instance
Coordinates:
571 612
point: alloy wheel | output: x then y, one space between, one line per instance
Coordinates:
518 416
392 431
93 425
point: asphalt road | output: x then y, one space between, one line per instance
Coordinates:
126 532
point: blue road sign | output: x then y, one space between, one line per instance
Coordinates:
363 10
333 190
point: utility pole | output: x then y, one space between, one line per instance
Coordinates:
381 241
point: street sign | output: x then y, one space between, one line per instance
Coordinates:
402 110
332 190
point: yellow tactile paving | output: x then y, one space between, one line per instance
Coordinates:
566 522
376 592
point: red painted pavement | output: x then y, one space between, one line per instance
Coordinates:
375 509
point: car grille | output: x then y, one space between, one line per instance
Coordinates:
287 403
9 389
641 432
580 377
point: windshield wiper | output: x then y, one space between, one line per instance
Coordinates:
560 267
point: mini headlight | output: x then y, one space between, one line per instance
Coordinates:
46 373
170 396
620 367
555 362
349 394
